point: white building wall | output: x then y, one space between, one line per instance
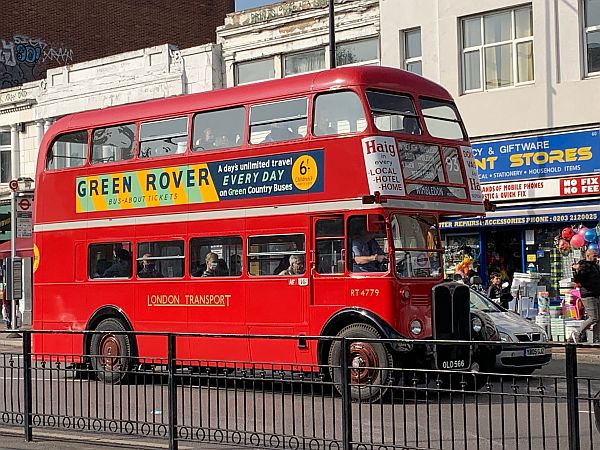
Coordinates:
559 97
287 27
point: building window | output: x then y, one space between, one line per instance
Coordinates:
303 62
592 36
257 70
5 175
413 57
364 52
497 49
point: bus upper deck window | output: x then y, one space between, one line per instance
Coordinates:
394 112
338 113
441 119
68 150
218 129
113 143
163 137
278 121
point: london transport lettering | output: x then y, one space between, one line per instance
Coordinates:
538 156
188 300
284 174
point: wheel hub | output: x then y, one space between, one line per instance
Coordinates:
365 363
110 353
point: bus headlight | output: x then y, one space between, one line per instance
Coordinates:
476 324
416 327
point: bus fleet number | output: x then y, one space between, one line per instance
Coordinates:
364 292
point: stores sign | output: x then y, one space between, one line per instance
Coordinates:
537 157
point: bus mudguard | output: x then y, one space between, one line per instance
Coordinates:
351 315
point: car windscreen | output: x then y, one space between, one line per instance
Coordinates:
482 303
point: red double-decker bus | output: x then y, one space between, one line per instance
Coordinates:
302 206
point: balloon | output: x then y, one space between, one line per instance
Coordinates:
582 230
577 241
590 235
593 246
568 233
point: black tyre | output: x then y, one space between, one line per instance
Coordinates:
371 362
111 353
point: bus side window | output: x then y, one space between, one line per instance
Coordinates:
330 245
279 121
162 259
109 260
218 129
338 113
272 255
226 251
163 137
113 143
68 150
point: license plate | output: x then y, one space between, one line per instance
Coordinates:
536 351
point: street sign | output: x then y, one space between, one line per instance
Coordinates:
13 185
24 217
14 278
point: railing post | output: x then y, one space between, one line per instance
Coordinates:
346 397
172 392
27 391
572 396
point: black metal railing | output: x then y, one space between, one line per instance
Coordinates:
291 404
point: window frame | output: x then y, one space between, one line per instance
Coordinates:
314 50
365 62
86 158
231 237
6 148
514 42
248 254
237 65
586 31
139 256
135 143
416 59
279 120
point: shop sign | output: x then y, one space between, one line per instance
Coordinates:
534 189
520 220
535 157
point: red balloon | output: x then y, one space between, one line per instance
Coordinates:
577 241
568 233
582 231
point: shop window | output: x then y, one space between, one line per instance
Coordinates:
226 251
270 255
109 260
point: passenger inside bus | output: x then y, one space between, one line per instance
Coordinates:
280 132
207 141
323 126
296 267
121 267
367 254
147 268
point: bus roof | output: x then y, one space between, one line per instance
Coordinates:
386 78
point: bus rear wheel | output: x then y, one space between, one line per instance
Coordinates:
370 363
111 352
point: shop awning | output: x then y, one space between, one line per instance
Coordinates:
528 214
24 248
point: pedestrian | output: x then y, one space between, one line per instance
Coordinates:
586 273
497 292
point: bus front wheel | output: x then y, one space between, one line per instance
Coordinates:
111 351
370 363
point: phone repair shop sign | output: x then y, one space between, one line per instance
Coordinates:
537 157
24 217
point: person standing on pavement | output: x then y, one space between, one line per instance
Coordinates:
587 275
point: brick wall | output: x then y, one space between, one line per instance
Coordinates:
75 31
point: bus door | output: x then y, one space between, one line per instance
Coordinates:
277 293
328 256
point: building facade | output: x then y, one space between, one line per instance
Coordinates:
526 78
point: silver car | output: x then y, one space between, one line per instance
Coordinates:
514 328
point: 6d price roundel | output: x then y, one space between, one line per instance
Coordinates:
304 172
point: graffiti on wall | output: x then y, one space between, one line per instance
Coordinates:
24 59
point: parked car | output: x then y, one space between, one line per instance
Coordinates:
512 328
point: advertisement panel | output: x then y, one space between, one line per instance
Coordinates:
535 157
